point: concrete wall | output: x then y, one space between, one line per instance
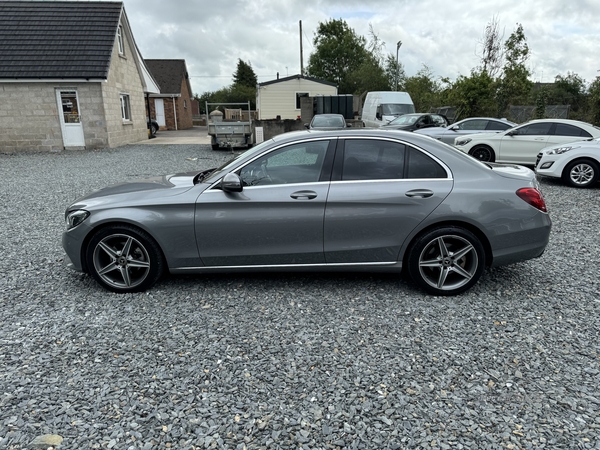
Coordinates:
274 127
124 78
29 114
279 99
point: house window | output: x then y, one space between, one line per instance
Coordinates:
299 95
125 109
120 40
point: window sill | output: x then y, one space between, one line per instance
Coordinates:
127 122
122 56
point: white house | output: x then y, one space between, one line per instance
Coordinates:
71 76
281 97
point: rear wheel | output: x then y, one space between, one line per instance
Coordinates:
124 259
483 153
446 261
581 174
154 129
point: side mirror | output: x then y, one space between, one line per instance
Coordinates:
306 125
378 115
511 133
454 128
232 183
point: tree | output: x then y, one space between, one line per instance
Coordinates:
394 72
423 89
594 101
514 86
492 54
339 52
244 75
474 95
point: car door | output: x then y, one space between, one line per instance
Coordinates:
563 133
521 145
381 190
277 218
464 128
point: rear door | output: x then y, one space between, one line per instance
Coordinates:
381 190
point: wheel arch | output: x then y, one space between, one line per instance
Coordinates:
579 159
101 225
452 223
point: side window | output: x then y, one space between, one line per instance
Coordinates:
563 129
498 126
298 163
299 95
422 166
535 129
372 159
120 40
438 120
473 125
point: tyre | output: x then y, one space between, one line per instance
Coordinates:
581 174
154 129
483 153
446 261
124 259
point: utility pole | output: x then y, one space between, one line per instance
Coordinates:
398 45
301 58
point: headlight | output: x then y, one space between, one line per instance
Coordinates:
462 141
560 150
74 218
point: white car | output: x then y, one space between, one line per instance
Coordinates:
577 163
472 125
520 145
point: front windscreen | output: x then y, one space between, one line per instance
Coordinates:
397 109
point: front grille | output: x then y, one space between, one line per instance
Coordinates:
537 161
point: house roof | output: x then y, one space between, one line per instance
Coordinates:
169 73
297 77
57 40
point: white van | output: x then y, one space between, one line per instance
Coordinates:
383 106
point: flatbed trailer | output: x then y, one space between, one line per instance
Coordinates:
230 134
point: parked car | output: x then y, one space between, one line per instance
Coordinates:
327 122
471 125
152 125
345 200
411 122
520 145
577 163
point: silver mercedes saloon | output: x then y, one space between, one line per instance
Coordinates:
344 200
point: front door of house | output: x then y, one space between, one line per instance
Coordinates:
70 118
159 104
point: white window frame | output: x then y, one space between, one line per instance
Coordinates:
120 40
125 107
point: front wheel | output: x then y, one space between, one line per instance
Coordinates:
446 261
124 259
581 174
483 153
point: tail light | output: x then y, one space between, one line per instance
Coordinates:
534 197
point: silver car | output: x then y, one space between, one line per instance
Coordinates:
346 200
472 125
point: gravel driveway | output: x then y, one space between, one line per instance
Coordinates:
288 360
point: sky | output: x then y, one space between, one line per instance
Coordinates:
444 35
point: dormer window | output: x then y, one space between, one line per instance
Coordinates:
120 40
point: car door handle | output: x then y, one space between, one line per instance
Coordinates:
540 139
303 195
419 193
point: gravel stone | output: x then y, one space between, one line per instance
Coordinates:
315 361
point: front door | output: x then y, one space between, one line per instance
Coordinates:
277 219
70 118
159 105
